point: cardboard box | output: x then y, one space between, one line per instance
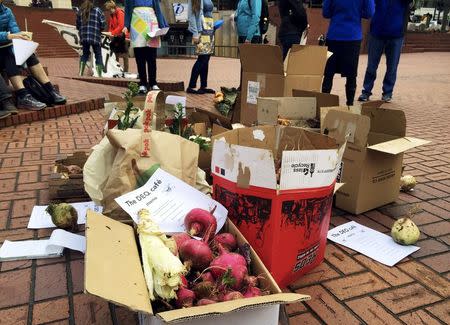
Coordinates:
113 271
264 76
286 224
290 108
372 162
322 99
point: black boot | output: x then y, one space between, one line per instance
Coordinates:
57 98
29 102
7 105
4 114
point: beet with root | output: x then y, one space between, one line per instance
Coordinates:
196 253
197 222
227 240
185 298
232 262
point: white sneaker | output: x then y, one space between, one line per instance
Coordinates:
155 87
142 89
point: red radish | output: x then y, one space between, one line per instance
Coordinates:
251 281
203 302
203 289
233 261
207 276
252 292
185 298
180 238
232 295
196 253
184 281
227 240
198 220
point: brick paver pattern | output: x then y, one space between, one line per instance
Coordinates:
346 288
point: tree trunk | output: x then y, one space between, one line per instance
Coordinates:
445 17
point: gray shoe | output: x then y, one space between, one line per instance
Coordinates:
8 106
363 98
387 98
4 114
30 103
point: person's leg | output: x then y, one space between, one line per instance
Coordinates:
327 83
204 75
287 41
350 90
393 50
7 107
4 90
125 62
84 58
195 73
375 50
151 66
98 59
139 55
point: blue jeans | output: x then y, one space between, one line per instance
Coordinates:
200 68
392 49
97 53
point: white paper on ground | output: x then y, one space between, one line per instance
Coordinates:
174 100
158 32
23 50
168 200
41 219
44 248
372 243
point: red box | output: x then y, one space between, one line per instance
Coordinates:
287 227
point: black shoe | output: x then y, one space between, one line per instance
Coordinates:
29 102
208 91
4 114
57 98
191 91
8 106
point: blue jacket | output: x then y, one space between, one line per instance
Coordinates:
8 24
247 21
389 18
196 20
346 15
131 4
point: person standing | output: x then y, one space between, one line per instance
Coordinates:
6 105
9 30
141 18
386 35
90 23
344 41
116 24
201 25
293 22
247 18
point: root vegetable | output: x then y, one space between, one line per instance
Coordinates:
230 261
185 298
251 281
252 292
204 289
196 253
203 302
180 238
64 216
197 222
207 276
227 240
405 232
233 295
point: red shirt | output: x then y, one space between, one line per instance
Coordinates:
116 22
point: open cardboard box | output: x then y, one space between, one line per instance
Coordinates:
289 108
264 75
372 162
286 222
113 271
322 99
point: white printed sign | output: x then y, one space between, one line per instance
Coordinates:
372 243
253 92
168 200
180 10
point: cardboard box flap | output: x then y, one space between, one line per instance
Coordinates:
261 58
322 99
112 264
184 314
394 147
291 108
323 111
292 138
342 125
386 121
306 60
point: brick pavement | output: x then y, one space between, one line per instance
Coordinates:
347 288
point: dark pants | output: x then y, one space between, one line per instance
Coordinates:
87 53
350 87
200 68
287 41
8 62
146 56
392 49
5 93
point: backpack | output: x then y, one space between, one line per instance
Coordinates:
37 90
264 18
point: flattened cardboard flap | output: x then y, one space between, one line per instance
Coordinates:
291 108
394 147
230 306
113 268
307 60
341 125
261 58
386 121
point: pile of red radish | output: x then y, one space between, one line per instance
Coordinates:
218 268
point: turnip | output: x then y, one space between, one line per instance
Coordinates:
232 295
180 238
252 292
198 220
185 298
227 240
232 262
196 253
